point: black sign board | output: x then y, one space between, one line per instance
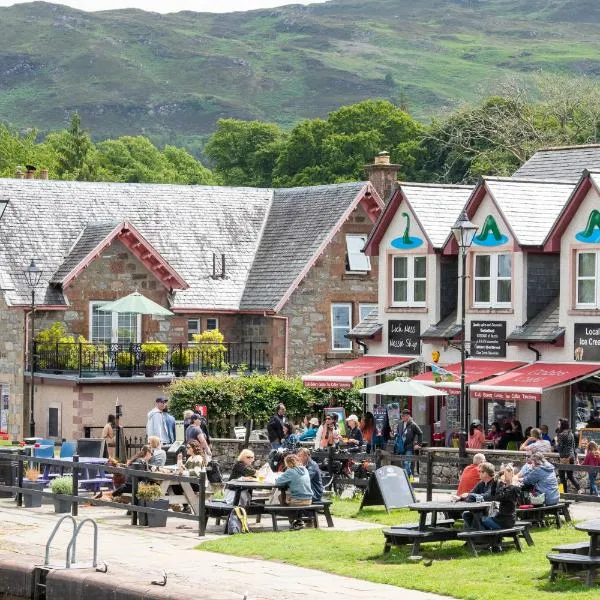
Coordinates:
389 486
404 337
488 338
451 411
90 447
588 435
380 416
587 342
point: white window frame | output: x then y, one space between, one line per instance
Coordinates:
348 306
198 329
114 336
595 278
493 278
410 280
358 261
364 308
216 320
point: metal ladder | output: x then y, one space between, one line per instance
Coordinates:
41 572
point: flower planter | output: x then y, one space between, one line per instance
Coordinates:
181 373
32 498
154 520
125 372
150 371
62 506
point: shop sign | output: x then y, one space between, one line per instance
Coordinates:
488 338
404 337
587 342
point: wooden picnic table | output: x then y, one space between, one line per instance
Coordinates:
593 530
424 508
239 485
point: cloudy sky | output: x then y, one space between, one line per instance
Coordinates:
172 5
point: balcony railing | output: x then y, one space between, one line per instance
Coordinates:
127 360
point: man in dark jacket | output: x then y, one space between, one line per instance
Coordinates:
275 427
354 434
484 491
408 439
316 480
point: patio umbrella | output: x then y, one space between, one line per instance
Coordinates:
138 304
403 386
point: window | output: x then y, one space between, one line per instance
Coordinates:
341 322
193 328
356 259
409 277
364 310
587 278
107 328
493 280
212 324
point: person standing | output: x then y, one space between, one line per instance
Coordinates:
592 459
170 423
194 432
157 424
408 439
275 427
476 439
565 446
354 434
108 435
328 434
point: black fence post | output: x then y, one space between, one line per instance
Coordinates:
202 503
20 470
330 465
75 491
134 502
429 476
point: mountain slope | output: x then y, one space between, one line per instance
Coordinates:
172 76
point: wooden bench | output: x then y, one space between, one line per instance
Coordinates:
539 514
490 538
439 523
293 513
574 562
401 537
93 484
574 548
526 534
326 512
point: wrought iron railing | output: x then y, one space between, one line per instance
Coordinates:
127 360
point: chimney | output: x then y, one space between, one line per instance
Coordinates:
30 173
383 175
43 174
19 173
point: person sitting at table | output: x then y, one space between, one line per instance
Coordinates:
310 433
159 456
482 492
476 439
243 466
290 439
328 434
535 443
506 494
469 478
354 434
140 463
296 480
539 477
194 463
314 472
545 435
494 434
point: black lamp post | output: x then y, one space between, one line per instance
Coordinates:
464 231
32 275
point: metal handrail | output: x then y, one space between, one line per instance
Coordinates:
73 543
54 532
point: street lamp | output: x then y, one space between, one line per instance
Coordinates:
464 231
32 276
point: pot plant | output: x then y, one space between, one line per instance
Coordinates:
154 355
150 495
180 361
125 361
62 486
32 497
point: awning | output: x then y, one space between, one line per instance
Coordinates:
343 375
530 382
475 370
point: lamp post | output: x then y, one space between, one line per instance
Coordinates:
464 232
32 276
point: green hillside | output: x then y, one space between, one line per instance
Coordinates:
172 76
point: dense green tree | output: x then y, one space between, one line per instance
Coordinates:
74 150
18 150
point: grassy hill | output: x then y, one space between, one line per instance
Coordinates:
172 76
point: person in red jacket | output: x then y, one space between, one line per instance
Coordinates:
470 476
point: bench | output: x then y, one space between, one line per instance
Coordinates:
574 562
400 537
526 534
574 548
439 523
293 513
93 484
539 514
490 538
326 512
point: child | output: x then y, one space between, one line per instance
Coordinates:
592 458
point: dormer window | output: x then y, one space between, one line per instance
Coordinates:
492 283
409 278
356 260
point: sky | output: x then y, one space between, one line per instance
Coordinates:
171 5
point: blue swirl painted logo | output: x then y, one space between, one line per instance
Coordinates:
591 233
490 234
406 241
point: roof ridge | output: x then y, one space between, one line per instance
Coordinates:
435 185
574 147
528 180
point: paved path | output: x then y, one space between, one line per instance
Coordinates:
147 552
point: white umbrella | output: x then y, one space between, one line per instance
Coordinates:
403 386
137 304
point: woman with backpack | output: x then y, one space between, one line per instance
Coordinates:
565 446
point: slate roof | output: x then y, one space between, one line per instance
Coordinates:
437 207
530 207
543 327
565 164
368 327
446 329
55 221
299 221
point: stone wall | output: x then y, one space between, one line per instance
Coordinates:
226 451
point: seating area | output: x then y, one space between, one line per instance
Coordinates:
491 539
568 562
293 513
541 515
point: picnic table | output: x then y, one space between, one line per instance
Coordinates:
239 485
424 508
91 477
593 530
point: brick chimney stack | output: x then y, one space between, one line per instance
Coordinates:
19 173
383 175
43 174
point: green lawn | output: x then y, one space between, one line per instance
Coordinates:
454 571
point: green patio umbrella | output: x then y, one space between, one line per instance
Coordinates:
138 304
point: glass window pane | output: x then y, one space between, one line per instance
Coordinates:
127 328
587 264
101 327
482 291
400 291
420 267
357 260
482 265
340 342
212 324
400 267
586 291
504 265
504 290
419 291
341 316
365 309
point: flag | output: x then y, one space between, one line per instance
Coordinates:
440 374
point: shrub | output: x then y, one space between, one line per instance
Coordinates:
181 359
210 349
125 360
148 491
32 474
62 485
154 354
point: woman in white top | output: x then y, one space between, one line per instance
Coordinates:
535 443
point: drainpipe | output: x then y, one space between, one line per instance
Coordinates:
537 353
538 411
363 346
287 337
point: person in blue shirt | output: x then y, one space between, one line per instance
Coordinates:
545 436
290 439
310 433
314 472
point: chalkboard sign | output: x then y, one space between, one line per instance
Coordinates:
380 415
393 411
389 486
452 411
90 447
588 435
488 338
404 337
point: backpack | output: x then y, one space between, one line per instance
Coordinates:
237 522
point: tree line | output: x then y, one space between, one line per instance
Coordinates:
494 137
